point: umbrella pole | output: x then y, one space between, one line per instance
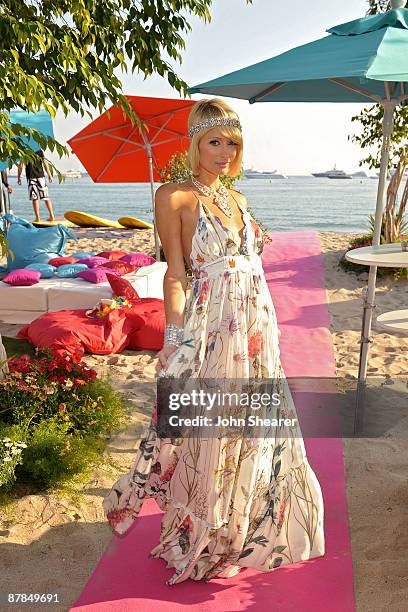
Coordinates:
156 235
369 291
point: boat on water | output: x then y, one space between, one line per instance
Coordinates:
360 174
257 174
339 174
73 174
332 174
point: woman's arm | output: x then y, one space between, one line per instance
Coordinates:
168 223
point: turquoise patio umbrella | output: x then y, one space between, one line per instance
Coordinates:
360 61
42 121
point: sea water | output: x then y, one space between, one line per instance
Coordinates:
281 204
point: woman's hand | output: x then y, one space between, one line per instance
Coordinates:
163 355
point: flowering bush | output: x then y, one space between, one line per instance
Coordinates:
10 457
41 387
55 408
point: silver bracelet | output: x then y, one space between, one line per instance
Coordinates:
173 334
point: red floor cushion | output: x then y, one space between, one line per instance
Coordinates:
147 316
62 261
112 254
149 319
71 331
121 267
122 287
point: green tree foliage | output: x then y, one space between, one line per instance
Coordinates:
66 55
370 135
378 6
371 118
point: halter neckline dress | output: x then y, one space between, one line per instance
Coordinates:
228 502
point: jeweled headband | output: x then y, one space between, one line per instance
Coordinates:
212 123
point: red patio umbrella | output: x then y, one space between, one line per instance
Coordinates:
114 151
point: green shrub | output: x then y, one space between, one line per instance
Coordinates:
366 240
53 456
100 412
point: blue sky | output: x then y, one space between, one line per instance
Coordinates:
293 138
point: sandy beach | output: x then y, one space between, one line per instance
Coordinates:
52 542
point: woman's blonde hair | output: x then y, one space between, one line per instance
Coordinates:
214 108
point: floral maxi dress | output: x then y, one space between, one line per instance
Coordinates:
228 502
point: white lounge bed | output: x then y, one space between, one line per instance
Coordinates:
21 305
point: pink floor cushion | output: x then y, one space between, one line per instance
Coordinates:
112 254
138 259
149 319
93 262
95 275
22 278
62 261
71 331
121 267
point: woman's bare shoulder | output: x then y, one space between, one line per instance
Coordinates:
175 194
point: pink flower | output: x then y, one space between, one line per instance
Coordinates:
22 386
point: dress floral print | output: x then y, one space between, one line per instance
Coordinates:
229 502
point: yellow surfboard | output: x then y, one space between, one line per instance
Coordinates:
86 220
53 223
134 223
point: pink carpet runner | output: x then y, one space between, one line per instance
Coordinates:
125 580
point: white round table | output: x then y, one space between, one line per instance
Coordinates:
386 256
394 321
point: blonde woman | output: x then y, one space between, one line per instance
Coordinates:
230 501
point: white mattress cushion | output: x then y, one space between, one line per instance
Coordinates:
55 294
23 298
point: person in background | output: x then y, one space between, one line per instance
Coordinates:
37 188
4 181
4 184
